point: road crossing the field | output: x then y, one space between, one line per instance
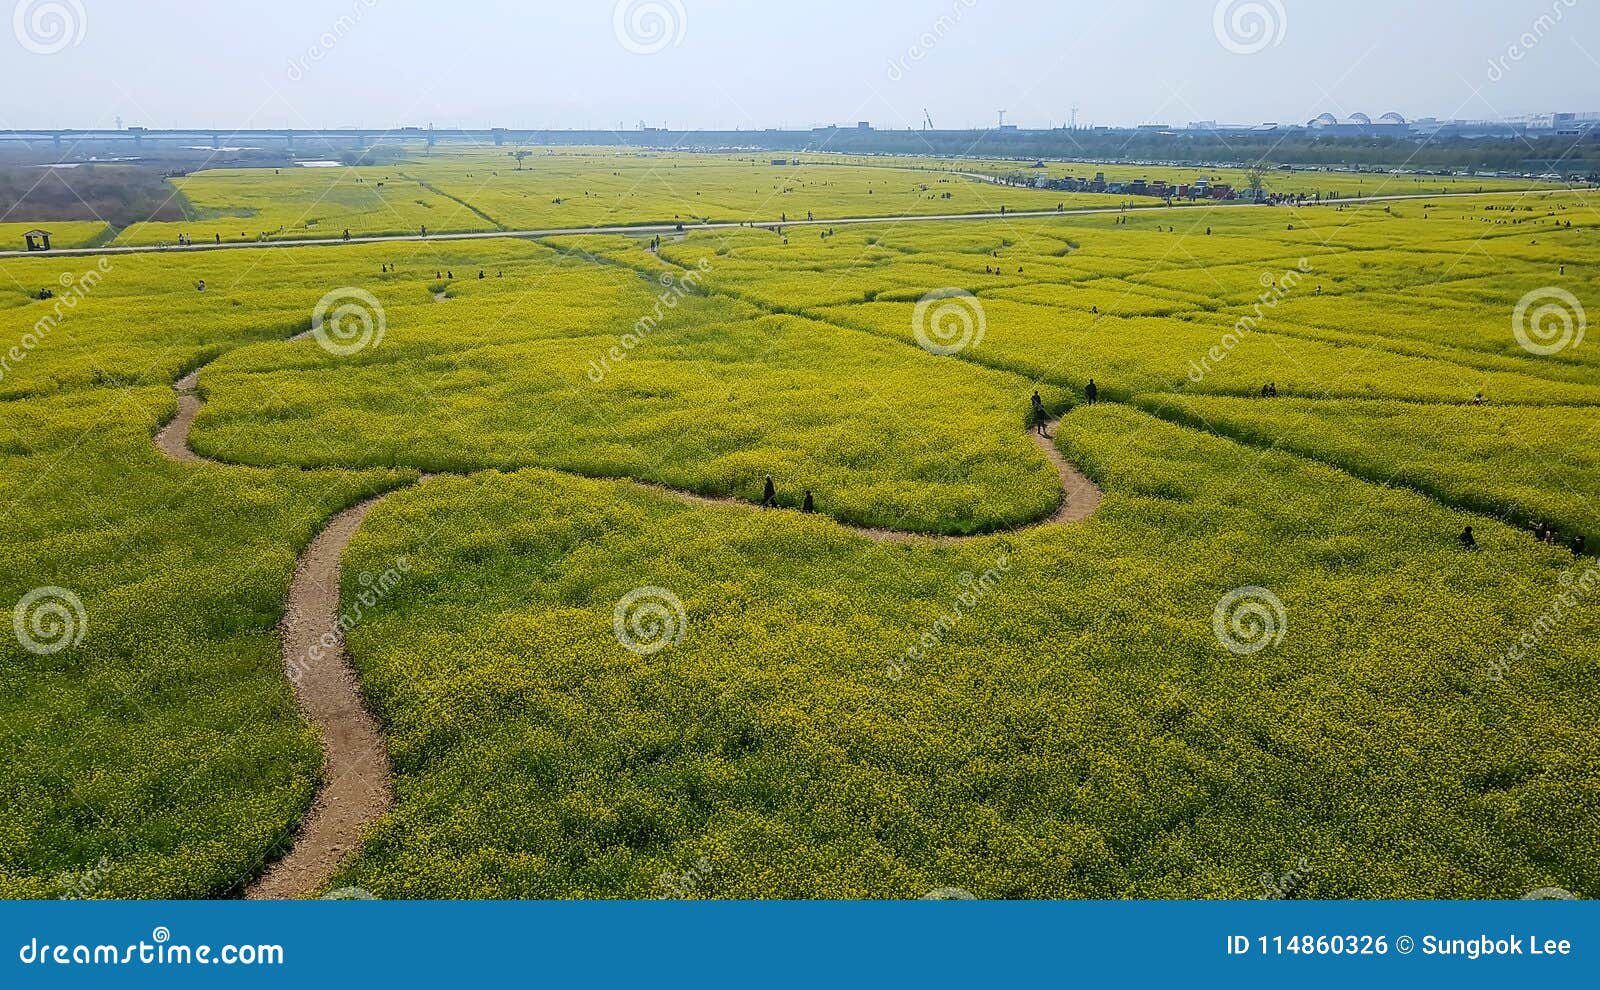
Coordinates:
650 230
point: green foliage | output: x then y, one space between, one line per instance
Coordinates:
166 746
1077 730
1078 733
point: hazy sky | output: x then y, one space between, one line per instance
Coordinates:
725 64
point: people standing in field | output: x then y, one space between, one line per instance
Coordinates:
1041 416
1091 392
1468 540
809 506
769 495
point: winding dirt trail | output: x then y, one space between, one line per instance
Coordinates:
173 440
356 789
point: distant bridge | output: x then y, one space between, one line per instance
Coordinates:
362 137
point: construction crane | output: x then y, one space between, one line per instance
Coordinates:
929 118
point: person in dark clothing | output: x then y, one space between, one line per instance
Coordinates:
1091 392
810 504
1041 416
769 495
1578 545
1468 541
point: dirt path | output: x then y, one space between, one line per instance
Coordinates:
356 789
173 440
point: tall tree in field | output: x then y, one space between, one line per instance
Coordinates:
1256 181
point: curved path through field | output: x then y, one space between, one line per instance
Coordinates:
356 787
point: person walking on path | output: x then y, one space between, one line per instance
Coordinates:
769 496
810 505
1041 416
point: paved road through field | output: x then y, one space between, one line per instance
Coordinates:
643 230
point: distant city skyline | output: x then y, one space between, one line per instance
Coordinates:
690 64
